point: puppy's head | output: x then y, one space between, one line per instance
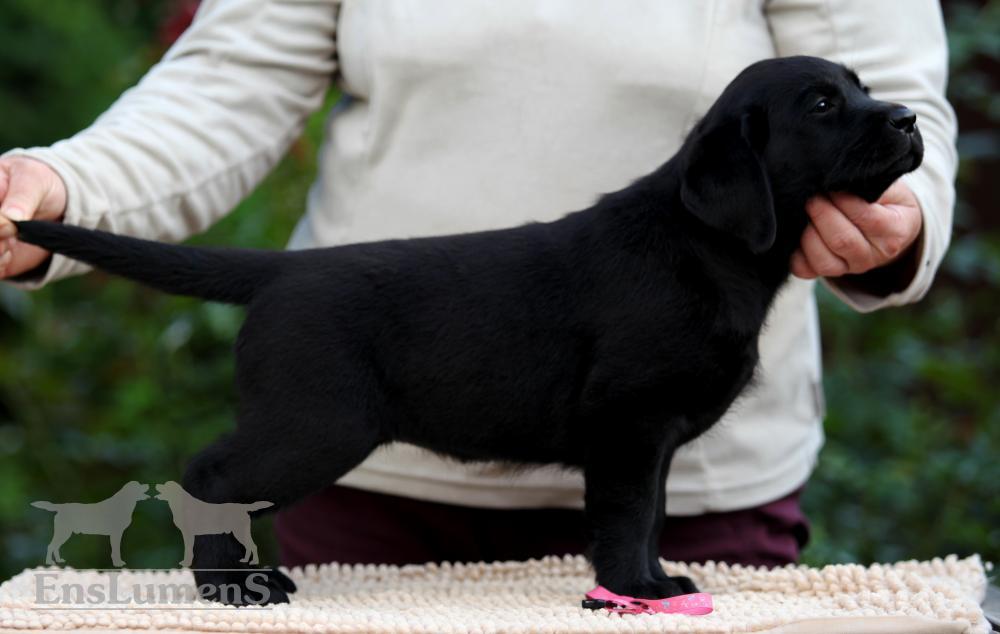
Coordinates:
787 129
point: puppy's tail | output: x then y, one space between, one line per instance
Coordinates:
46 506
256 506
217 274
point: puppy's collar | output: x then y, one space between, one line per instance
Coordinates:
697 604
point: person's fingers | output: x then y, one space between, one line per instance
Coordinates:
7 228
840 235
25 192
888 228
4 180
877 222
23 196
858 210
6 255
21 258
28 189
800 266
5 260
32 190
819 256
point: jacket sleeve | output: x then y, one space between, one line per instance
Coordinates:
902 55
203 127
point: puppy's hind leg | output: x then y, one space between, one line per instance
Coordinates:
308 414
280 468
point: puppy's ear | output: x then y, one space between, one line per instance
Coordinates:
725 184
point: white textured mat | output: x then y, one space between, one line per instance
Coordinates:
939 596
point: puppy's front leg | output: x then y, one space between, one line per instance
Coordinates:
621 505
659 518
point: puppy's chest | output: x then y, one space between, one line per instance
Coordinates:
713 377
718 360
726 363
692 365
739 313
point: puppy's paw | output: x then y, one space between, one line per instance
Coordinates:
284 581
243 588
649 588
685 584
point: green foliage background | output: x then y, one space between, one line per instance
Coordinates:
102 381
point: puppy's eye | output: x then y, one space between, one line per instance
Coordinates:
823 105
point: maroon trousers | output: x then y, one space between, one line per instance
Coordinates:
352 526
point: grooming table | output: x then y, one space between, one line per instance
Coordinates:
939 596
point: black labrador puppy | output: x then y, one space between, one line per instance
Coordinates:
602 341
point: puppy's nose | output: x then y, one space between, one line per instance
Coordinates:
902 118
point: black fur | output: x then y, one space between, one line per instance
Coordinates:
601 341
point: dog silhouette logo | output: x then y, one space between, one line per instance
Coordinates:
109 517
195 517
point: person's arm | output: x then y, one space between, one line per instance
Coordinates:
901 53
202 128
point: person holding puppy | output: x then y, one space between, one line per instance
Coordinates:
463 116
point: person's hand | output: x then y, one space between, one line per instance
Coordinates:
846 234
29 189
